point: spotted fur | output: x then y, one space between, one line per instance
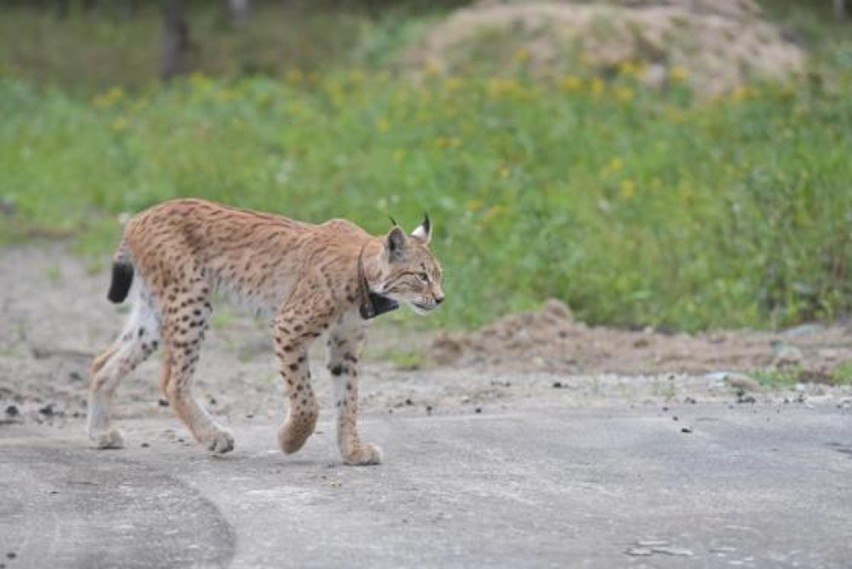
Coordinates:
305 276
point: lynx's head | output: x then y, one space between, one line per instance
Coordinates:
411 274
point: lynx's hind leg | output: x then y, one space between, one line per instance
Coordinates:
187 312
140 338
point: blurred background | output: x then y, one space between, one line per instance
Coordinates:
679 164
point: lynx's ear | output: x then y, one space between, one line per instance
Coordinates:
424 230
395 244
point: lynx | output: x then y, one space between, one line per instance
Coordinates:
311 279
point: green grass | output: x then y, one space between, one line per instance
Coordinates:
787 377
637 208
634 208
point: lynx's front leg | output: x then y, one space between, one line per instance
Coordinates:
296 327
344 349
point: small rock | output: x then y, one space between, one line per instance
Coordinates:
559 309
429 409
478 410
675 551
557 385
788 356
409 402
686 430
12 411
639 551
803 330
144 445
47 410
652 543
742 382
743 398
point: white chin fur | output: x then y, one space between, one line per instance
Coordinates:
421 310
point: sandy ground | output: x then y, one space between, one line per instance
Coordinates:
55 318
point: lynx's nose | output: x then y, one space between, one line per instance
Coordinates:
439 300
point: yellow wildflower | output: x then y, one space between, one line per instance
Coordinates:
453 84
294 76
741 93
678 73
571 83
615 165
628 67
108 98
624 94
432 68
120 124
674 114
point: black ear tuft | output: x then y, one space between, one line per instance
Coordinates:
396 243
424 230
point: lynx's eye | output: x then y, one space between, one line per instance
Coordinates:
423 277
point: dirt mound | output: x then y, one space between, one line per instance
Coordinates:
551 340
715 46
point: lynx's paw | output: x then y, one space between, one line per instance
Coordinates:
219 441
363 454
109 439
295 432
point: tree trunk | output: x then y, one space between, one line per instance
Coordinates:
175 38
840 9
63 7
239 11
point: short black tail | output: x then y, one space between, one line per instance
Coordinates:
122 277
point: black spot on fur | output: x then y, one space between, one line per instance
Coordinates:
336 370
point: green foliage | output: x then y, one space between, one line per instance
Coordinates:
635 208
787 377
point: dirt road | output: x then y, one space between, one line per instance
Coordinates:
488 462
